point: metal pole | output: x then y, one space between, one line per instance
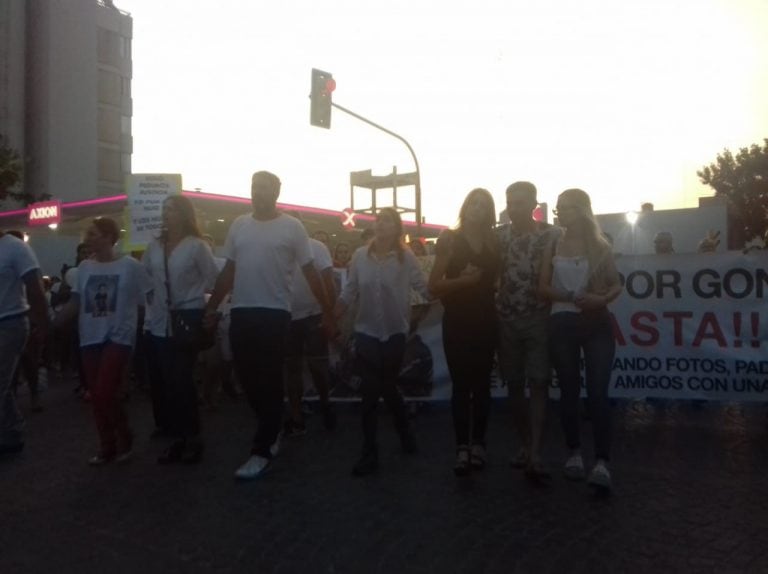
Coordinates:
410 149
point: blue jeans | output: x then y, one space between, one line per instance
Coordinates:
378 363
13 337
570 334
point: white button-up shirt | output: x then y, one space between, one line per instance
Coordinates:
383 287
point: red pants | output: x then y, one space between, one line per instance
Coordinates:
104 366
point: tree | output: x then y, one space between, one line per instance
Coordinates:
10 171
743 181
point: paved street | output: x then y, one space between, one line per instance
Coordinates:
691 495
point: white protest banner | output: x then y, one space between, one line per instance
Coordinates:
687 326
146 193
692 326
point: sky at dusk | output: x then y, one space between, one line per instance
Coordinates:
623 99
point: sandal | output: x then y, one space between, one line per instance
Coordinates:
477 457
521 460
462 466
537 473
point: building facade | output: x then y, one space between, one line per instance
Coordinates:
65 95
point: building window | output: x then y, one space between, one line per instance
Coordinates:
110 168
125 160
125 86
124 47
109 88
109 126
125 125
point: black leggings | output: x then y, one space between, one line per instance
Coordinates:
469 353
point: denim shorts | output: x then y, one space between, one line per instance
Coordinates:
524 350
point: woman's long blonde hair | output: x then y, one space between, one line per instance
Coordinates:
597 246
488 236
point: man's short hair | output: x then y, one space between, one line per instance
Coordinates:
525 187
268 176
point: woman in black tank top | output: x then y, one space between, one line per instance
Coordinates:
464 277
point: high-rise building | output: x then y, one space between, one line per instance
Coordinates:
65 94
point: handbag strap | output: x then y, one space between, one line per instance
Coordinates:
167 288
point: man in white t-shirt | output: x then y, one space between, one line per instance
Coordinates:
306 339
262 251
22 302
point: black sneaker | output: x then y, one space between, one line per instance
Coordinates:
329 418
159 432
368 463
292 428
193 452
173 454
408 443
11 449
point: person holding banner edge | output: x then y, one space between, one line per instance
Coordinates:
463 277
579 277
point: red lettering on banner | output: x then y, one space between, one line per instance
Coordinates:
637 323
677 322
709 328
646 328
619 336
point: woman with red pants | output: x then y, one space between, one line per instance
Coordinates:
110 288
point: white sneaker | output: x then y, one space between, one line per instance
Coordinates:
253 468
574 467
274 450
600 476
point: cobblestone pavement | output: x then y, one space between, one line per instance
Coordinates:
690 496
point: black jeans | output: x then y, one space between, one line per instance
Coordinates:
570 334
258 338
469 354
172 380
378 363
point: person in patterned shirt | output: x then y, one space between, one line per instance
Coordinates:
522 315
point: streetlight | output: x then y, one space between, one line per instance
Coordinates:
632 217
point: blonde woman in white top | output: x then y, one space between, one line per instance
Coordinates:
579 277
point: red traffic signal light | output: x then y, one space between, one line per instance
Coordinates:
323 86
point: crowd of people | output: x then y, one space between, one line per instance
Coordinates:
531 294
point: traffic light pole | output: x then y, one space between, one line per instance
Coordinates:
410 149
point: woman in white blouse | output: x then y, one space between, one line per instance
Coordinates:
579 277
182 268
381 277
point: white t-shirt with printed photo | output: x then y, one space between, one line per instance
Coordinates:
110 295
265 254
16 260
304 303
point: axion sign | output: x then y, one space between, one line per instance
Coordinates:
348 218
45 213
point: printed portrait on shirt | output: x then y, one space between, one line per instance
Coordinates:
101 295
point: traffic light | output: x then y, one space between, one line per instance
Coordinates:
323 85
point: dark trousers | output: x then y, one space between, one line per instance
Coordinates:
172 380
258 338
105 366
570 334
378 363
469 354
